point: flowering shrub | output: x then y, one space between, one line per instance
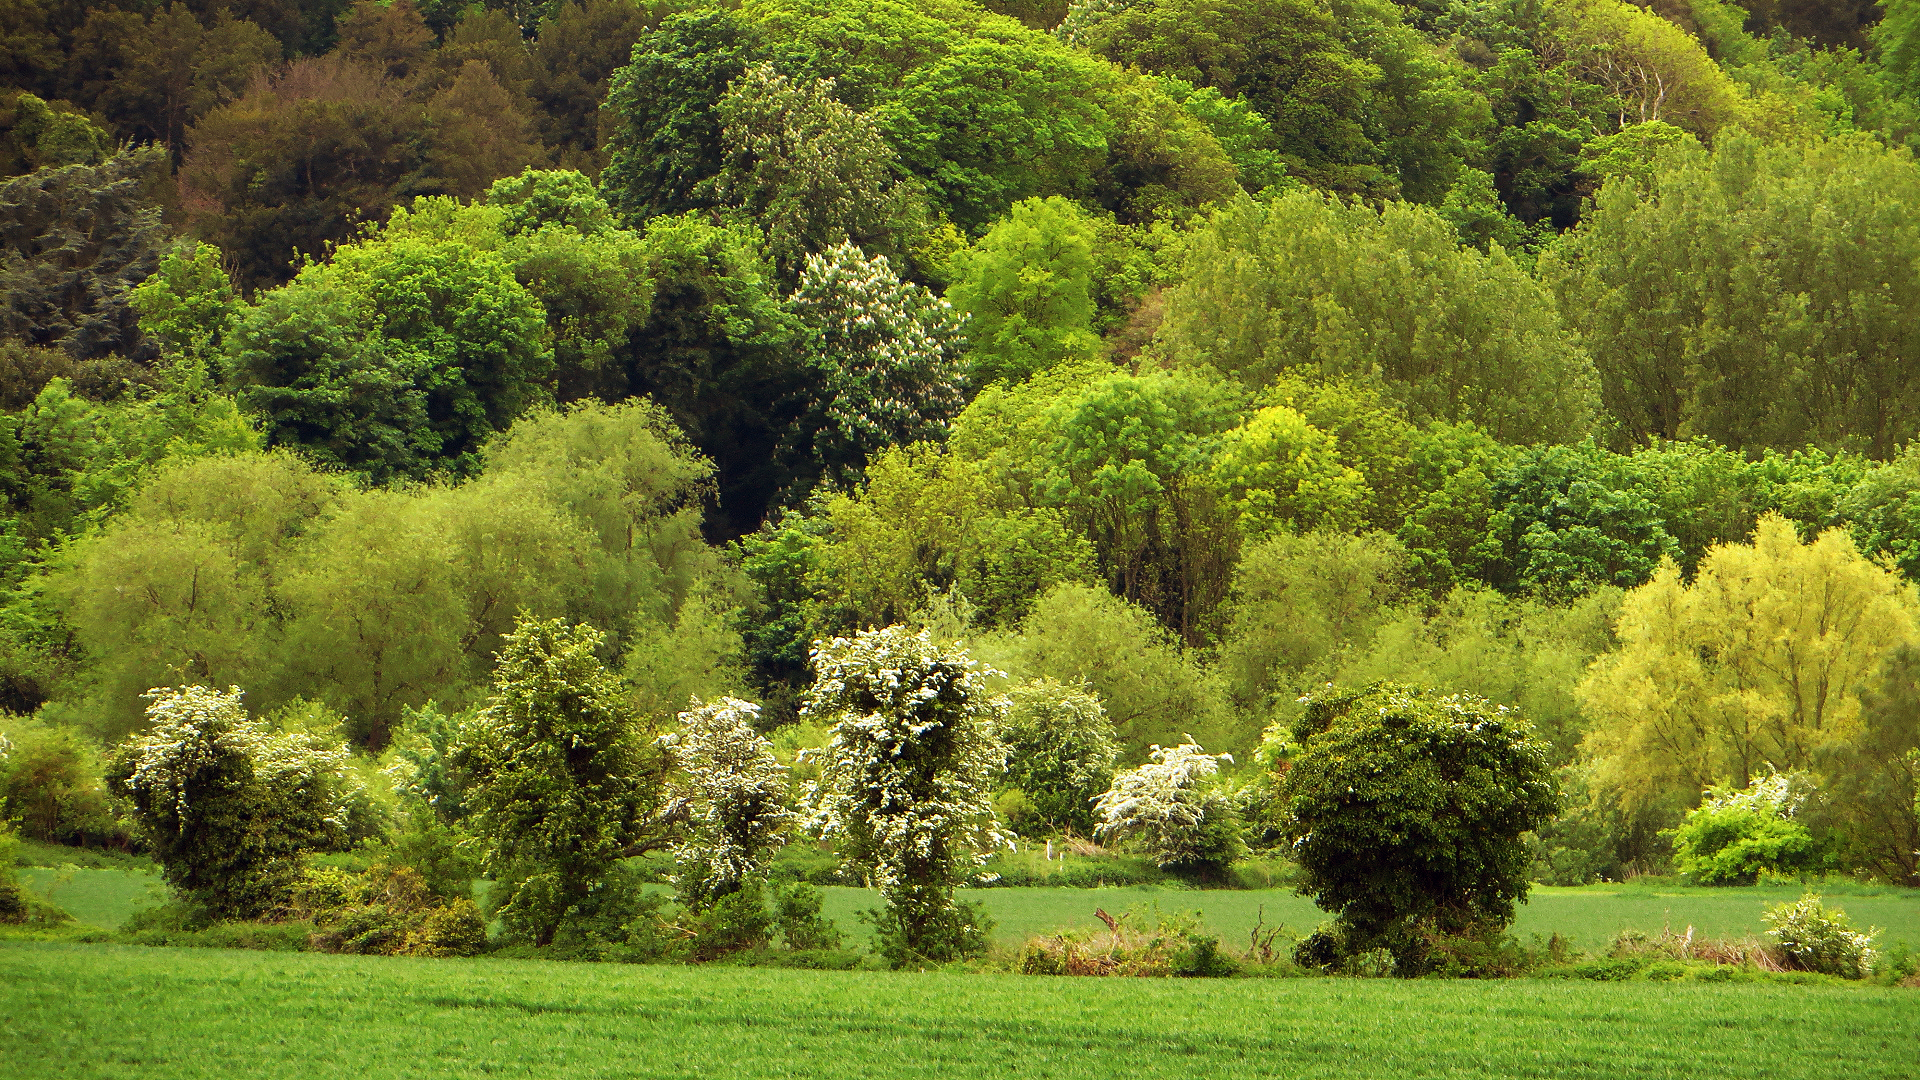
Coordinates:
734 791
1818 939
226 803
1734 835
885 354
1171 806
906 778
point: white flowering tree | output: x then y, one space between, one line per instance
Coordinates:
906 779
810 171
885 357
226 803
1172 807
732 791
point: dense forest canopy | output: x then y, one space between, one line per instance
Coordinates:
1181 357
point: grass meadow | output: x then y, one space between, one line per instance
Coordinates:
1590 915
111 1011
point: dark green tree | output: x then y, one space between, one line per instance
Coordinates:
74 241
1406 807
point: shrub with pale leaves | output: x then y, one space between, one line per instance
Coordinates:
1816 938
1173 808
734 793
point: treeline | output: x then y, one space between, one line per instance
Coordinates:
1488 348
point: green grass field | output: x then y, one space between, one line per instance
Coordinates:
152 1014
103 898
1590 915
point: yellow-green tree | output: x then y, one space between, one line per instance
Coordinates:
1757 662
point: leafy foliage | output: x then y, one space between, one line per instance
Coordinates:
563 781
1406 807
226 804
905 781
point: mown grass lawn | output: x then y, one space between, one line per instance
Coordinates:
110 1011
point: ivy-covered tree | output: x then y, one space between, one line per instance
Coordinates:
906 780
1405 806
562 781
227 804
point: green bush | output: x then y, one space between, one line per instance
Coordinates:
50 782
1407 807
1814 938
1733 845
796 915
732 923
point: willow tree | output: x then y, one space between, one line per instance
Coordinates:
1756 663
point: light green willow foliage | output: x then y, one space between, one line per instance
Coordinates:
1514 652
252 568
1762 296
1152 691
1297 602
1304 282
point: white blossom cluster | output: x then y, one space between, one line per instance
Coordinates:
907 776
1164 802
735 792
1780 794
888 352
193 727
1083 15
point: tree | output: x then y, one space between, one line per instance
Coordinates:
41 133
74 242
885 359
226 804
1756 663
1060 752
734 794
1448 332
1756 295
1299 601
665 143
578 48
1170 804
1026 290
1083 635
812 173
396 357
1872 782
1406 808
563 780
928 522
182 70
1283 473
905 783
187 303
